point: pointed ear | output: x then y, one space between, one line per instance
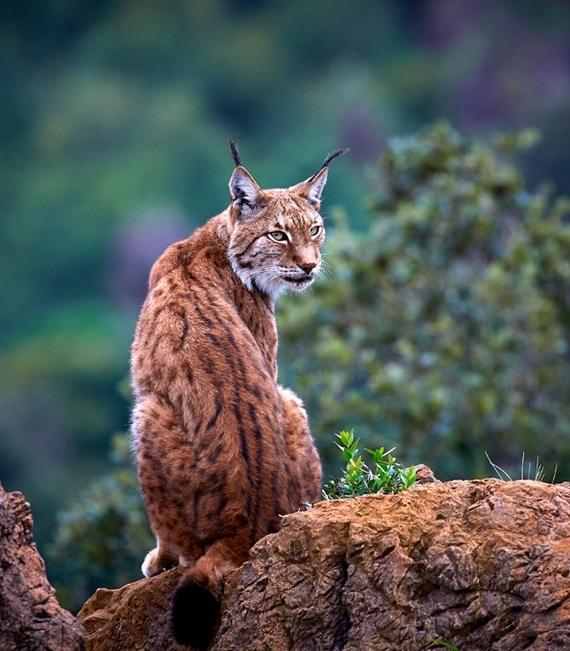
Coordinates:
244 190
312 188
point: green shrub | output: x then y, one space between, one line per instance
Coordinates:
444 329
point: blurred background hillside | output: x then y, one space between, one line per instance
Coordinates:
114 119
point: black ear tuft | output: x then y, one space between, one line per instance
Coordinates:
328 159
195 612
335 154
235 152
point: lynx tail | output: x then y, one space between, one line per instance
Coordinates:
194 612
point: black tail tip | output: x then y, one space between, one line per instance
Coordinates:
195 612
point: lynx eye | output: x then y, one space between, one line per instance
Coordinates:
278 236
315 230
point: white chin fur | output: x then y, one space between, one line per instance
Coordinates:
267 280
274 287
268 283
264 282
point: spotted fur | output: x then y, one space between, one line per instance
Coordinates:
222 450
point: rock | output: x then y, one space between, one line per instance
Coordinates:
30 615
135 617
424 475
479 565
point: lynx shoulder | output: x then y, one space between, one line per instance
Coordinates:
222 450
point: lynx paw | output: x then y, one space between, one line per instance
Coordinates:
158 561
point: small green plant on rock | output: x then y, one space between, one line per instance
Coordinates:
526 472
386 476
445 644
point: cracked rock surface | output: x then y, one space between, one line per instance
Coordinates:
31 618
480 565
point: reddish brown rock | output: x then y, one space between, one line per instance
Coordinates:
31 618
480 565
134 618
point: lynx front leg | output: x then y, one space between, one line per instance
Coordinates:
306 468
163 457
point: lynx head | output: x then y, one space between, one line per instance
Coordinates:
275 235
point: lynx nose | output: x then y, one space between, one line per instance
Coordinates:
307 267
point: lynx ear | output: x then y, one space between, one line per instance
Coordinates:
244 190
312 188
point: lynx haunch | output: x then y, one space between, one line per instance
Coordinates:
222 450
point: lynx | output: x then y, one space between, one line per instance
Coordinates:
222 450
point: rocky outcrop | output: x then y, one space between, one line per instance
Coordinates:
134 617
31 618
480 565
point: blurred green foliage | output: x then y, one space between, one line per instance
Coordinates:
444 329
103 537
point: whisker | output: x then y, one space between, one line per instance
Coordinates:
326 268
